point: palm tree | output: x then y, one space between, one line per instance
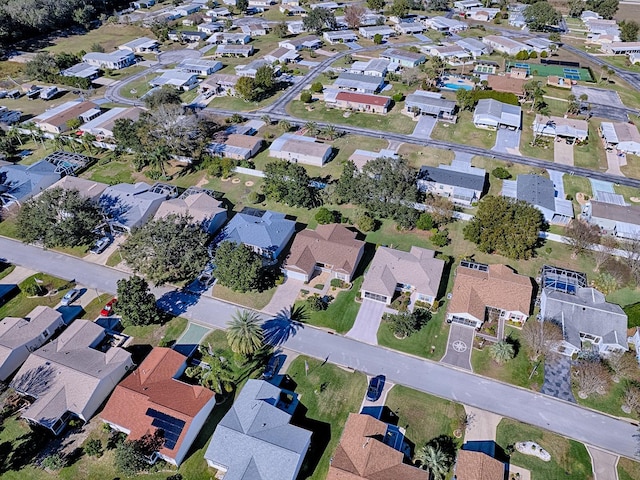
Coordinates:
311 127
244 333
217 377
501 352
294 313
15 134
330 132
284 126
266 119
159 157
434 459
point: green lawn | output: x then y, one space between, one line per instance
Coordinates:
464 131
240 105
111 173
8 228
6 269
610 403
632 168
329 394
155 334
569 459
418 155
92 310
628 469
544 149
254 300
424 416
591 155
515 372
21 305
574 184
109 36
341 313
621 61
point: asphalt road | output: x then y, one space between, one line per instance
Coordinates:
592 428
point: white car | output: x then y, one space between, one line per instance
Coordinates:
70 296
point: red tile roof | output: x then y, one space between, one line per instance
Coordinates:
363 98
152 386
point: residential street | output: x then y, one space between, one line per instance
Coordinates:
561 417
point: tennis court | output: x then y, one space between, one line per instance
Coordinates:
570 73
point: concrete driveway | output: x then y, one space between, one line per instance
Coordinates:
424 127
507 141
615 162
604 464
365 328
482 425
459 346
558 182
563 153
383 396
284 296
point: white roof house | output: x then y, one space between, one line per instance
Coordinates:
490 113
176 78
81 70
140 45
624 137
506 45
443 24
551 126
115 60
370 32
340 36
199 66
103 124
298 148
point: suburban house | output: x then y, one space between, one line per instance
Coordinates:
154 398
21 182
102 126
623 221
219 12
370 449
488 293
360 83
587 320
376 67
234 50
85 188
621 48
539 44
282 55
199 66
572 129
21 336
295 27
56 120
128 205
482 14
251 69
477 465
264 231
539 192
339 36
445 25
198 203
493 114
255 439
474 47
310 42
236 146
506 83
219 84
409 28
460 182
187 36
451 53
226 38
81 70
329 248
465 5
404 58
140 45
210 27
430 103
71 376
114 60
327 5
624 137
256 29
370 32
179 79
360 102
361 157
506 45
416 272
298 148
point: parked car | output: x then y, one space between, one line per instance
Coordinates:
70 296
107 310
273 367
376 384
101 245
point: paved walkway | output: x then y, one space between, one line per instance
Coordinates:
424 127
558 182
365 328
615 162
604 464
482 425
284 296
563 153
557 378
459 346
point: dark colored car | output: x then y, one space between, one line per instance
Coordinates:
273 367
376 384
107 310
101 245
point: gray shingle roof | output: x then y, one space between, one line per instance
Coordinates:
451 177
270 231
25 181
254 440
536 190
498 112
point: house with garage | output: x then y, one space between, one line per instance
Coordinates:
81 70
370 449
199 66
451 53
465 5
478 465
21 182
210 27
376 67
255 439
102 126
339 36
182 80
141 45
226 38
445 25
222 84
115 60
430 103
474 47
21 336
404 58
489 293
540 192
56 120
187 36
622 221
131 205
282 55
482 14
409 28
256 29
329 248
588 321
219 12
264 231
86 188
360 83
71 376
416 272
621 48
298 148
459 182
570 129
623 137
153 397
506 45
310 42
198 203
359 102
236 146
370 32
492 114
234 50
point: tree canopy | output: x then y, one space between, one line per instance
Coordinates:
136 304
505 226
59 218
606 8
237 266
375 5
629 31
319 19
288 183
169 249
540 16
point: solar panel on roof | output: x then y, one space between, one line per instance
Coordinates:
172 427
254 212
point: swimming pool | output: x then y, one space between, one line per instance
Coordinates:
457 86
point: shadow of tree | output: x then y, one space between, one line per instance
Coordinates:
284 325
177 302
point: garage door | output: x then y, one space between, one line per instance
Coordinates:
464 321
376 297
296 275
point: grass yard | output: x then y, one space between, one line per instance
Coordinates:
113 172
137 88
254 300
21 304
569 459
155 334
464 130
425 416
544 151
109 36
92 310
610 403
341 313
240 105
418 155
632 168
329 394
621 61
574 184
6 269
394 121
9 228
515 372
591 155
628 469
627 192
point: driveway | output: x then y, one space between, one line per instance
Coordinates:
365 328
558 182
562 153
557 378
507 141
482 425
459 346
615 162
383 396
604 464
424 127
18 275
176 56
284 296
190 339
